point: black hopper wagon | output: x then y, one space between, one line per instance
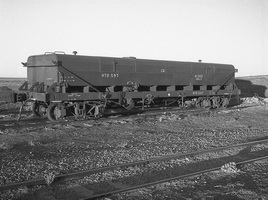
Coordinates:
60 85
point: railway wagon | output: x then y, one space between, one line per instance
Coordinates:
61 84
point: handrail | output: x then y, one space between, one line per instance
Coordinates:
61 52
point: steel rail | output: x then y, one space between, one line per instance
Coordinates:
33 119
14 123
63 177
169 179
125 113
13 111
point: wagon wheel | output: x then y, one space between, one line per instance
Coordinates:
199 102
225 102
216 102
39 109
54 112
203 103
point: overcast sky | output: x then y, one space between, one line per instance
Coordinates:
221 31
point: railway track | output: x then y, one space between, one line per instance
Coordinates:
13 111
37 122
211 165
102 195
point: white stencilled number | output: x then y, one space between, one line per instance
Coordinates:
109 75
114 75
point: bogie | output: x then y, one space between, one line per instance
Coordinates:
56 111
39 109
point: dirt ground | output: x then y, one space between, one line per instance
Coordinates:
40 152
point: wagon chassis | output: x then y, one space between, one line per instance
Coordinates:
56 105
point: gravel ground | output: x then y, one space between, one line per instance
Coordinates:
43 152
